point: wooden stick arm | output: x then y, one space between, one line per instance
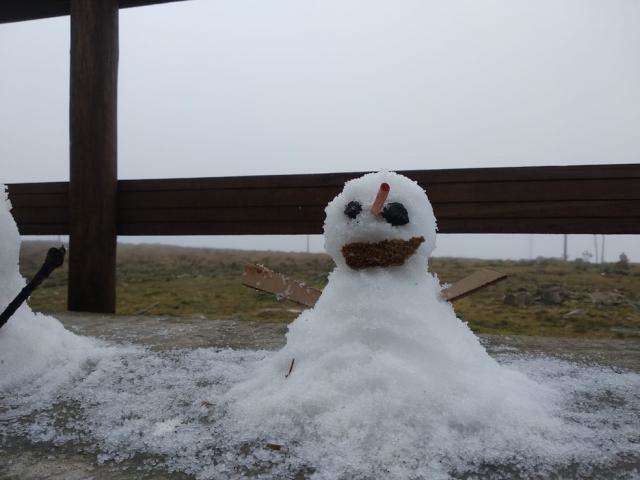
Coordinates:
471 284
54 259
261 278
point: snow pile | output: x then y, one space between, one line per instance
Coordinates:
10 279
33 347
390 382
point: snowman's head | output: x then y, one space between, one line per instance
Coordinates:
399 228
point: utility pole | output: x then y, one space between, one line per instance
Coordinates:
602 250
307 243
565 255
595 245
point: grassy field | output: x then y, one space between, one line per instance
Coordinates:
541 297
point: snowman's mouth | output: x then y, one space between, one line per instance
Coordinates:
387 253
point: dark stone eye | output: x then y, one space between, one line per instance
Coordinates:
353 209
395 214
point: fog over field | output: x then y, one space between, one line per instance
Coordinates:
209 88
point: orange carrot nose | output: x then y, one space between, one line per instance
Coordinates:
381 197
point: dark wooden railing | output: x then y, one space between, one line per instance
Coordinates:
21 10
574 199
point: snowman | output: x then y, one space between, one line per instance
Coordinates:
32 345
385 373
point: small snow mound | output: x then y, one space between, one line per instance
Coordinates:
31 344
10 279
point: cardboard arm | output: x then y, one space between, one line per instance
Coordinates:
261 278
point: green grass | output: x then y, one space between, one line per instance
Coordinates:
156 279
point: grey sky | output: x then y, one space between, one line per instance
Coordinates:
213 88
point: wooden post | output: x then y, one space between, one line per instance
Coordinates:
93 155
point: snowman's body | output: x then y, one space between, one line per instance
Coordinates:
382 363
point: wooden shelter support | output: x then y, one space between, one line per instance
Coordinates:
93 155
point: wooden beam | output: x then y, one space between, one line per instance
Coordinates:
93 155
21 10
576 199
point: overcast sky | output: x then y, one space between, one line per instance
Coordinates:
209 88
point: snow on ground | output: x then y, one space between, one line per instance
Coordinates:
169 407
363 401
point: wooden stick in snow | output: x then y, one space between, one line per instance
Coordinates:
261 278
54 259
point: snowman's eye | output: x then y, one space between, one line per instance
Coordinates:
395 214
353 209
